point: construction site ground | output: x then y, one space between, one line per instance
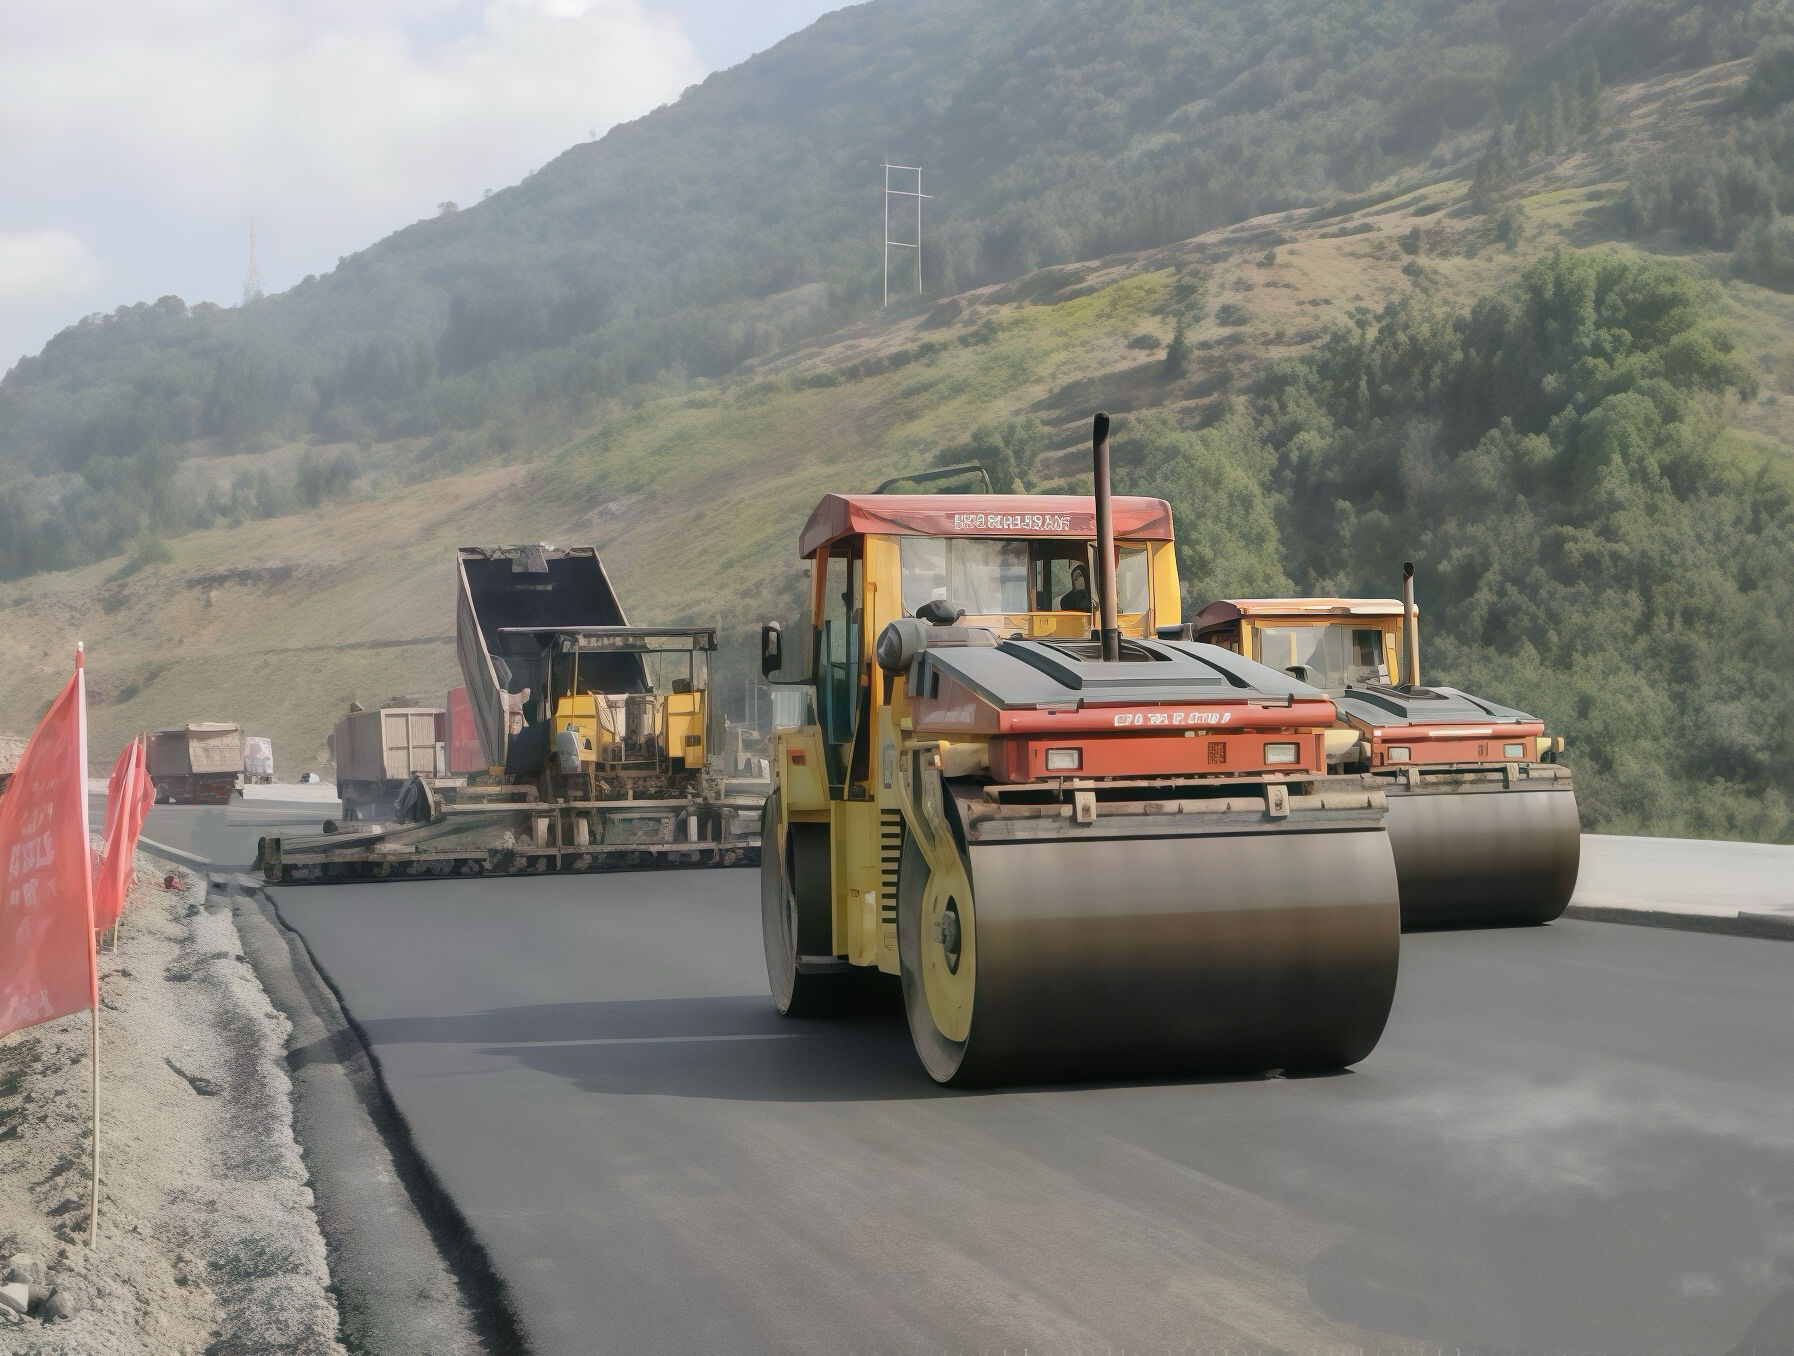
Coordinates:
1572 1137
207 1237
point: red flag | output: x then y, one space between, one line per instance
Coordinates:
47 964
128 796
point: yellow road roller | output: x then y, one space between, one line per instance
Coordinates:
1087 851
1482 815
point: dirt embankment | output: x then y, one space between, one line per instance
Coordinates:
208 1241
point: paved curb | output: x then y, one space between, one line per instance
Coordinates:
410 1278
1775 926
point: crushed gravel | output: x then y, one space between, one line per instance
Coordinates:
208 1240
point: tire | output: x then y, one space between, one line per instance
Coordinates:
794 916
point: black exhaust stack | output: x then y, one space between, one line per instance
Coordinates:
1410 629
1108 619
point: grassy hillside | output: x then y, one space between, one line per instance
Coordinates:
743 217
1587 454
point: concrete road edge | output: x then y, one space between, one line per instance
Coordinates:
410 1275
1777 927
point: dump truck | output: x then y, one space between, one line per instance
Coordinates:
1482 815
378 751
1084 851
199 764
595 736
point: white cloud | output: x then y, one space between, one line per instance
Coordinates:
154 130
45 266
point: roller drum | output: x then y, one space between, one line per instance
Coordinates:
1098 957
1487 858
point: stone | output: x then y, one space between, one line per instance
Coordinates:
16 1297
26 1269
205 1087
60 1305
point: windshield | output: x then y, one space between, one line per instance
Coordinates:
990 577
1333 653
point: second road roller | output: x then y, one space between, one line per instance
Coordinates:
1086 852
1482 815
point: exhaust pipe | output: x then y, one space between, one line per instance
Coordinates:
1107 616
1410 629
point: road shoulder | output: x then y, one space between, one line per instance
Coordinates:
409 1276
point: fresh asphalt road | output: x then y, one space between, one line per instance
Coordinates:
1578 1137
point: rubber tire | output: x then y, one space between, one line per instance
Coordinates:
794 895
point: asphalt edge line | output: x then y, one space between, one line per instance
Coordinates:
1772 926
485 1292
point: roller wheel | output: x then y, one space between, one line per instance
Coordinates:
937 945
794 914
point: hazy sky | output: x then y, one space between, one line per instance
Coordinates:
137 139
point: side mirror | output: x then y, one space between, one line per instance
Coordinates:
772 649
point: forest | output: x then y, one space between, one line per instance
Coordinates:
1590 543
744 216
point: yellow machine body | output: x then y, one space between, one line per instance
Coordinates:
1080 858
610 727
862 805
1355 640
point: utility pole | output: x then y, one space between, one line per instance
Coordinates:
891 244
252 281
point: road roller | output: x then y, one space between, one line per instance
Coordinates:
1482 814
1083 850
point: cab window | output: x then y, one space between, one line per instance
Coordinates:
838 650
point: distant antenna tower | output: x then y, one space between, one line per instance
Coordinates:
915 244
252 282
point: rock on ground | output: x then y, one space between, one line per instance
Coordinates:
208 1241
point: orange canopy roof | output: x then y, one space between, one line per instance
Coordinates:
980 515
1231 609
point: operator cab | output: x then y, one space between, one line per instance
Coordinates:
1008 563
1331 643
1021 587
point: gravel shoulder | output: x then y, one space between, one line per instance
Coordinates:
208 1241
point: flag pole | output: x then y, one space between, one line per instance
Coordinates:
93 960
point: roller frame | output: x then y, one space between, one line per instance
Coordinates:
1479 847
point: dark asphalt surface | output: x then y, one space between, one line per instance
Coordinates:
1571 1138
1578 1137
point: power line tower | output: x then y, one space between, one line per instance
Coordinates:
916 244
252 281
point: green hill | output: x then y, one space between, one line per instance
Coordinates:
744 216
1346 363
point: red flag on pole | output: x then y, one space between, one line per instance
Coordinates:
128 796
47 963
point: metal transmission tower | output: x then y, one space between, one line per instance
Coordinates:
915 244
252 281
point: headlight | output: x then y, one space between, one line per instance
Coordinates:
1064 760
1513 750
1396 753
1280 753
